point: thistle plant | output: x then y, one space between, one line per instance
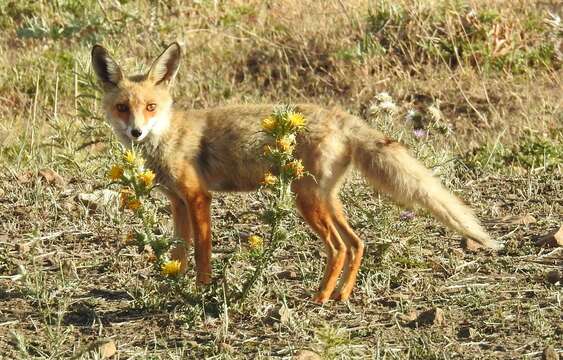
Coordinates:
136 184
282 127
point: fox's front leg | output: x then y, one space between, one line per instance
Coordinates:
182 229
200 214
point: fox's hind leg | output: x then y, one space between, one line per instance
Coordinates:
316 211
182 229
354 254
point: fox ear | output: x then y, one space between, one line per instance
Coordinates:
165 67
105 67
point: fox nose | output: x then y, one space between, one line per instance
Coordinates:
136 132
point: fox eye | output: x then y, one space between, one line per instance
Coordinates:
122 108
151 107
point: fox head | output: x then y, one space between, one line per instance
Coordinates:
137 105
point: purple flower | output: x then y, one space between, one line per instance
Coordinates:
407 215
420 133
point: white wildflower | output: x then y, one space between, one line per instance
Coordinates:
383 105
554 21
384 97
411 114
435 112
388 107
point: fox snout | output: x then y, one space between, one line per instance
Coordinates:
138 130
136 133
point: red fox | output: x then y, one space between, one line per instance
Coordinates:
196 152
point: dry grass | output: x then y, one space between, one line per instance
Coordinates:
68 283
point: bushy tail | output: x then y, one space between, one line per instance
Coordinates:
390 169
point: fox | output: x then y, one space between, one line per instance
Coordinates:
196 152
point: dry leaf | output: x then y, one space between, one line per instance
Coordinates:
108 349
99 198
25 177
51 177
306 355
549 353
280 314
554 239
429 317
409 316
471 245
519 219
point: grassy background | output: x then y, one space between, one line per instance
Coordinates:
68 284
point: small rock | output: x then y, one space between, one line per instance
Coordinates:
192 343
553 277
549 353
554 239
243 235
107 350
429 317
99 198
306 355
52 178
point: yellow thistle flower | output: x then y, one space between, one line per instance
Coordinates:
296 120
255 242
171 268
285 144
296 168
116 172
146 177
129 157
269 179
133 204
269 123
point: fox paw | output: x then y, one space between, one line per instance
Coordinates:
203 280
339 296
320 298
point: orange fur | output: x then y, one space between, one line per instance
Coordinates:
195 152
182 227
